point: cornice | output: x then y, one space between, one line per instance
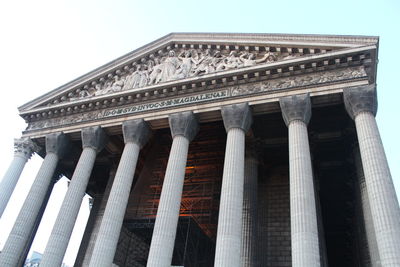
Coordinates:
280 39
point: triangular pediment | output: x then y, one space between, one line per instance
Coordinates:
190 57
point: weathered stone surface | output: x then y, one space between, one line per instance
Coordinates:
163 240
303 214
185 124
56 143
229 232
25 147
249 218
25 222
360 99
237 116
94 137
368 225
384 205
297 107
23 150
93 141
107 239
136 131
87 114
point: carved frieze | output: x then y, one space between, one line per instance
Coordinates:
319 78
170 65
297 81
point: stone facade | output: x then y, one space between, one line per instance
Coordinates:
216 149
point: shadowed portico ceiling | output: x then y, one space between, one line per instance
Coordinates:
181 63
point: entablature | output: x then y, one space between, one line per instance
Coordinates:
208 53
258 70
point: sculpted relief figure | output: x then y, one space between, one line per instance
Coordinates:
185 65
233 61
249 59
164 67
169 66
105 89
154 70
118 84
110 86
135 77
203 65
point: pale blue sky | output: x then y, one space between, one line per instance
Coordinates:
45 44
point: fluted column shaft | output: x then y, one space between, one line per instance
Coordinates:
23 225
107 237
237 121
381 192
183 129
24 148
10 180
303 215
62 229
366 211
249 228
25 221
361 104
163 240
99 213
231 204
296 111
59 238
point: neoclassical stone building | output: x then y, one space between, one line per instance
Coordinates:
215 150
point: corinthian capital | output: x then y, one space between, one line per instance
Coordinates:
360 99
94 137
184 123
57 143
237 116
136 131
25 147
296 107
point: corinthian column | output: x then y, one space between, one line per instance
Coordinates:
25 222
361 104
296 111
136 134
184 127
366 211
23 150
249 228
93 140
237 121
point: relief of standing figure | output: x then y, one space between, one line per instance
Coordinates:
185 66
132 77
144 76
135 77
118 84
154 70
169 66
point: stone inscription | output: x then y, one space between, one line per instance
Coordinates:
166 103
231 91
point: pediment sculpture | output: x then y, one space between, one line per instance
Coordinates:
173 65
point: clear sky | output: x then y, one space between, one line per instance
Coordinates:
45 44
